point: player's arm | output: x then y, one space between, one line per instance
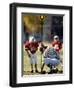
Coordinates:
42 48
28 52
27 48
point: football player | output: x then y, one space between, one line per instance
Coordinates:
31 47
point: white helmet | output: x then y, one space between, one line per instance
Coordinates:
56 37
32 39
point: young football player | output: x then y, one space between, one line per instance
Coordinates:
57 45
31 47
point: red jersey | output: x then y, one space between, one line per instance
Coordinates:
57 45
32 46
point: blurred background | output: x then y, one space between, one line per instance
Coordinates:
42 27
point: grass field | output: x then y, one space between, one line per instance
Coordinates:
27 66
